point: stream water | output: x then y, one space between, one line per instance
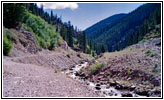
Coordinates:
107 90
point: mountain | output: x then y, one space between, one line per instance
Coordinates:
115 30
97 28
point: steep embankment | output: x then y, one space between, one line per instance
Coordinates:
25 50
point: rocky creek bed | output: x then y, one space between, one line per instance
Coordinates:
108 90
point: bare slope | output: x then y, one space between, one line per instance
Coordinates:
137 66
27 80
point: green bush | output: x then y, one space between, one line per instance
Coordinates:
148 51
68 55
153 54
9 35
95 67
52 44
45 34
7 45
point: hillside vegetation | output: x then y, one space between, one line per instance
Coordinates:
45 34
123 31
47 30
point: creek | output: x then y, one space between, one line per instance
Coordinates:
106 90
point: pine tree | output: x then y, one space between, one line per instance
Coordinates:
13 14
63 33
70 34
84 41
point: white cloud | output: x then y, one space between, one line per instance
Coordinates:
59 5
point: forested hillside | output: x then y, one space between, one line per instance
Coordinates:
47 28
119 33
98 28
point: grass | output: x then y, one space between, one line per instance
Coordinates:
95 67
129 72
143 41
153 35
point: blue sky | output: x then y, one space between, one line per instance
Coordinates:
84 15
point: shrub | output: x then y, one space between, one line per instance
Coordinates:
68 55
95 67
52 44
7 45
10 35
153 54
45 34
148 51
59 40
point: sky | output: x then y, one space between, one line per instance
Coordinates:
83 15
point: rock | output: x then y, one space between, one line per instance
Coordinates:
71 69
119 87
155 93
103 82
113 84
131 88
155 82
99 78
77 74
127 95
110 94
142 92
97 88
98 85
108 86
81 62
125 87
102 73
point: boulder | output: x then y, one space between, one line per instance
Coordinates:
119 87
97 88
142 92
113 84
127 95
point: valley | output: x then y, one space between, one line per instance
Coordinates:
42 70
118 57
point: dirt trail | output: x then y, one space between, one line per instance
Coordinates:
27 80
